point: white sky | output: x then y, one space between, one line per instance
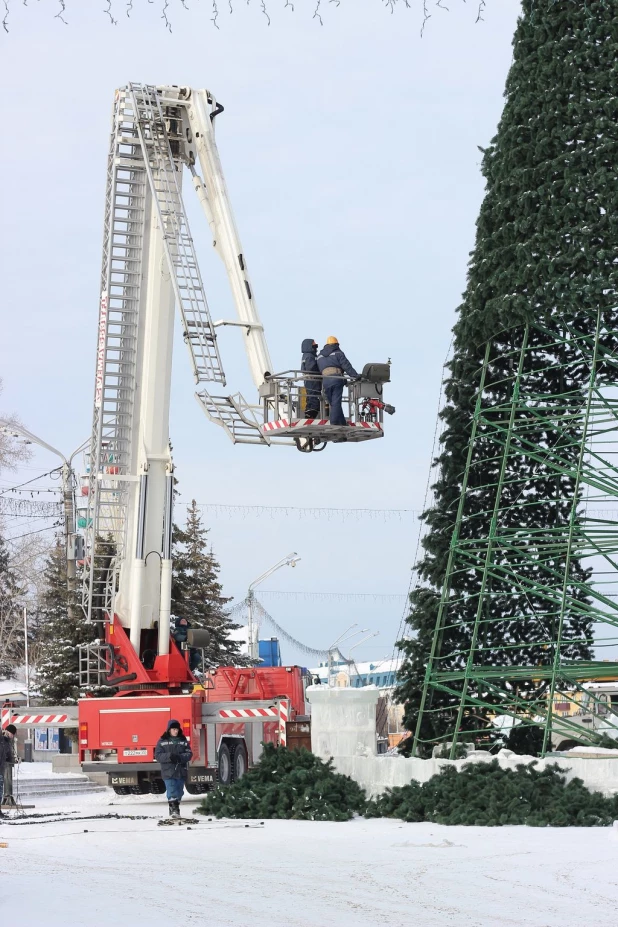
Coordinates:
351 156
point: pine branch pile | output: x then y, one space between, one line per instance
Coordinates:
288 784
485 795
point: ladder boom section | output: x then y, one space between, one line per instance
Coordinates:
158 132
116 364
201 109
149 262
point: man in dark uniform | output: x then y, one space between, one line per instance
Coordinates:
313 385
332 364
7 758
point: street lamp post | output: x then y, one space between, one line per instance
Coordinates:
351 660
252 644
346 636
18 431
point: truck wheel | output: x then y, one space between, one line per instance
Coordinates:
239 762
157 786
122 789
225 765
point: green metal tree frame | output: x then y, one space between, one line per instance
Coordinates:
522 435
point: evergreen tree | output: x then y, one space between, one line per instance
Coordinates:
11 622
546 244
59 636
196 591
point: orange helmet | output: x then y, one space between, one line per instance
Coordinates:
332 340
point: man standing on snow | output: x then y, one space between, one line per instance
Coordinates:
7 757
173 753
332 364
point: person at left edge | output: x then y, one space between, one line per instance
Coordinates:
7 756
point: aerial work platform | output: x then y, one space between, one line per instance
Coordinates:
281 417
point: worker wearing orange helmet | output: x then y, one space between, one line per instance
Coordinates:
333 364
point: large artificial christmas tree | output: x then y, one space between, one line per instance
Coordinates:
196 591
58 635
545 255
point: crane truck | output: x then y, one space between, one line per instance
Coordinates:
161 134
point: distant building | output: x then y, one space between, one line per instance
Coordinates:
381 673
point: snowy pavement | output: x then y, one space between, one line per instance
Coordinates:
298 873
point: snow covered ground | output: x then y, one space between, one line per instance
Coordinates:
299 874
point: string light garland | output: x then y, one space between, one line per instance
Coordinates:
339 596
318 11
217 510
16 508
239 610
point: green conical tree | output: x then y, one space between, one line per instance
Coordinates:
546 245
196 591
11 622
58 636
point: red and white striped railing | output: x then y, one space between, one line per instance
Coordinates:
8 717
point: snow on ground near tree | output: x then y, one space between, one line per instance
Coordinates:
299 873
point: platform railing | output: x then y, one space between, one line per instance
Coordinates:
284 397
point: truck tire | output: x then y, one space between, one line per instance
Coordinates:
157 786
225 769
239 761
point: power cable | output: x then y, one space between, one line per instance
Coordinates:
30 533
27 483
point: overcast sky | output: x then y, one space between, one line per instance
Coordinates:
350 151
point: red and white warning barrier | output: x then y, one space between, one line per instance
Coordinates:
279 712
234 714
9 718
282 423
284 717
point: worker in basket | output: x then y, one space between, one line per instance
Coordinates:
180 634
173 753
333 364
313 385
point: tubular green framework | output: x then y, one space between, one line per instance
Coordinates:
537 570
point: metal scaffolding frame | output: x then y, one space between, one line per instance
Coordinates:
543 447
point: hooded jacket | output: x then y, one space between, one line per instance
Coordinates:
180 630
173 753
331 357
6 752
309 364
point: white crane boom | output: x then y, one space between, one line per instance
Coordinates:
150 264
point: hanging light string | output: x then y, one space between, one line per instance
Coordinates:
306 512
240 611
339 596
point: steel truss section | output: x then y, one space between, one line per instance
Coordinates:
532 576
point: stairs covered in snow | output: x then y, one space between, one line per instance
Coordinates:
27 787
